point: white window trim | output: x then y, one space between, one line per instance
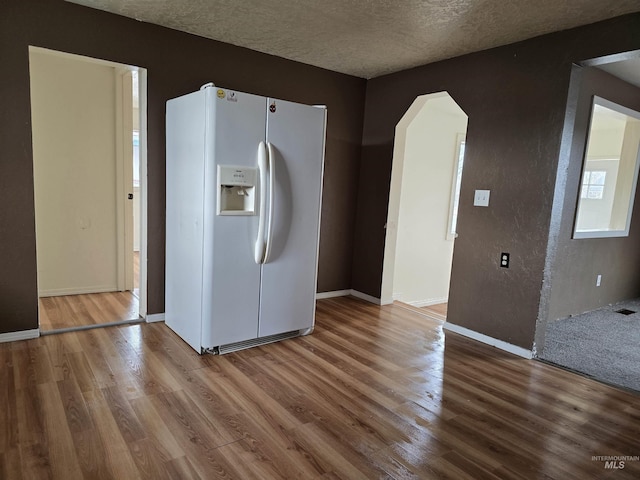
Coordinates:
454 202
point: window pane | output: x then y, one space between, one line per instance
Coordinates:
595 192
598 178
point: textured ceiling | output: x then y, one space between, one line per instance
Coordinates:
367 38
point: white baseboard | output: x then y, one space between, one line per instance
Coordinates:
364 296
354 293
155 317
21 335
494 342
427 303
58 292
397 296
335 293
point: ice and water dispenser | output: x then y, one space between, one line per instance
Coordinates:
236 190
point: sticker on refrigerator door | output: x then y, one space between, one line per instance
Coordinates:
272 107
232 97
220 93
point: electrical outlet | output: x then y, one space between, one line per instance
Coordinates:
504 260
598 280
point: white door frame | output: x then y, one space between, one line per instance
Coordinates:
142 98
124 149
124 177
142 95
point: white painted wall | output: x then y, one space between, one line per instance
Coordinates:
73 115
391 237
595 214
423 253
625 190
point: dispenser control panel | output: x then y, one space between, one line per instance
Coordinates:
236 190
236 176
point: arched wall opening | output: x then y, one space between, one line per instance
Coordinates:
422 214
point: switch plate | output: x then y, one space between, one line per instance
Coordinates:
598 280
504 260
481 198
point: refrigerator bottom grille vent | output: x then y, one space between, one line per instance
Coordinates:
254 342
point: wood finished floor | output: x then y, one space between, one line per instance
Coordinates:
374 392
70 311
438 310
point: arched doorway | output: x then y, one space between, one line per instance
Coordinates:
422 215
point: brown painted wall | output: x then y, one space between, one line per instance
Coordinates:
515 97
177 63
573 285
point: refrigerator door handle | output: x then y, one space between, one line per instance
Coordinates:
272 199
262 168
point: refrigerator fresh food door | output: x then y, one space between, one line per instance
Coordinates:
233 294
185 213
287 295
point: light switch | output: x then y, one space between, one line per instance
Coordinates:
481 198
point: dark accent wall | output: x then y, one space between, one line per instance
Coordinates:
176 63
515 97
577 262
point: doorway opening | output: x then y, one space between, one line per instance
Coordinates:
89 163
428 161
591 273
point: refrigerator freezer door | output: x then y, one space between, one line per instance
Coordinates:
288 288
233 293
185 215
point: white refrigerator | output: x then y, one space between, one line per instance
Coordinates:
243 197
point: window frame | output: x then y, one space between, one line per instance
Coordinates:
610 233
456 185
